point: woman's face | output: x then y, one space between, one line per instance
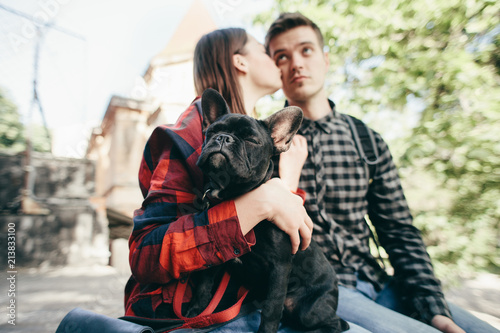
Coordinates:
261 68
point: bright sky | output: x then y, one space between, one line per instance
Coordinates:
105 46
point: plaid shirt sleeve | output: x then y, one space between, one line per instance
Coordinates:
172 234
389 213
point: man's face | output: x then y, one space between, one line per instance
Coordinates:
302 62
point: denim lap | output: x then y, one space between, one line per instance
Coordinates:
378 312
357 308
369 311
250 323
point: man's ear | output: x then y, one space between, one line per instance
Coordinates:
240 63
213 105
327 60
283 126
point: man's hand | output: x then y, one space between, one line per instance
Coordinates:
445 324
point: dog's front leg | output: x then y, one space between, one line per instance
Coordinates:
272 308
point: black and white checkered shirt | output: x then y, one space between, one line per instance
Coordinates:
339 197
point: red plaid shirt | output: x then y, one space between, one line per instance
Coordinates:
172 236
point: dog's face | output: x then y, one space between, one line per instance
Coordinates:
238 149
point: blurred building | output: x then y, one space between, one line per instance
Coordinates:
55 218
116 146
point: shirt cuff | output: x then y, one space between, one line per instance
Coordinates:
301 193
225 231
429 306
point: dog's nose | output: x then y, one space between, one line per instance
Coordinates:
223 139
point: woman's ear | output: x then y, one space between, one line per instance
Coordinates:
240 63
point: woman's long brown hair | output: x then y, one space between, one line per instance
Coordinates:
213 65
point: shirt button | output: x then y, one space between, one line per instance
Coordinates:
236 251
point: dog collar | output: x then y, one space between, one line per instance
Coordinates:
204 200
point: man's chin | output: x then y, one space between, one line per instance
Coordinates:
297 94
301 93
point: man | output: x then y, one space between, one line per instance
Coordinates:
340 194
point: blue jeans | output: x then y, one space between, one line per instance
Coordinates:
380 312
368 311
251 322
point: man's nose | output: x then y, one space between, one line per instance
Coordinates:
297 63
223 139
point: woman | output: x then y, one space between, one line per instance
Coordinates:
171 235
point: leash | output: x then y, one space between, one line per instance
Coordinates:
207 317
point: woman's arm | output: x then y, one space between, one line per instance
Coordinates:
292 161
290 167
274 202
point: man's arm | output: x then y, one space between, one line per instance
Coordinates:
389 213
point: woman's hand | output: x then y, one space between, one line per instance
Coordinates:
273 201
292 161
445 324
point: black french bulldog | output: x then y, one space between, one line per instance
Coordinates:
301 289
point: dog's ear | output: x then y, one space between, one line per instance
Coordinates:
213 106
283 126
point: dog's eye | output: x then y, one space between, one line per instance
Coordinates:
251 140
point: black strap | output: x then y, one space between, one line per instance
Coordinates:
365 144
368 152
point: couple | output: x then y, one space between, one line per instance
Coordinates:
170 240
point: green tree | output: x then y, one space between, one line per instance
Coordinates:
432 68
12 131
11 128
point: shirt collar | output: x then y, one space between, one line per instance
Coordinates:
324 124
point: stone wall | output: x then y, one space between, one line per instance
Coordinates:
70 228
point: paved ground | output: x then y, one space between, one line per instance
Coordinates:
44 296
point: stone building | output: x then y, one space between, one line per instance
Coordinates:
57 220
116 146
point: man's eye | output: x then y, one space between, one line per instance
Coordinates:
307 50
280 58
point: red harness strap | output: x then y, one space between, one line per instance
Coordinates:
207 317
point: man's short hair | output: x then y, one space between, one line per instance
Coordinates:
288 21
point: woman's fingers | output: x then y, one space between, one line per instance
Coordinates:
273 201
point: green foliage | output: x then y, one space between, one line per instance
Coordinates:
12 131
438 62
11 128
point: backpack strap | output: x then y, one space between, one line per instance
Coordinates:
368 152
365 144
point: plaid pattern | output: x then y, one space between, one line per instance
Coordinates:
172 234
338 199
